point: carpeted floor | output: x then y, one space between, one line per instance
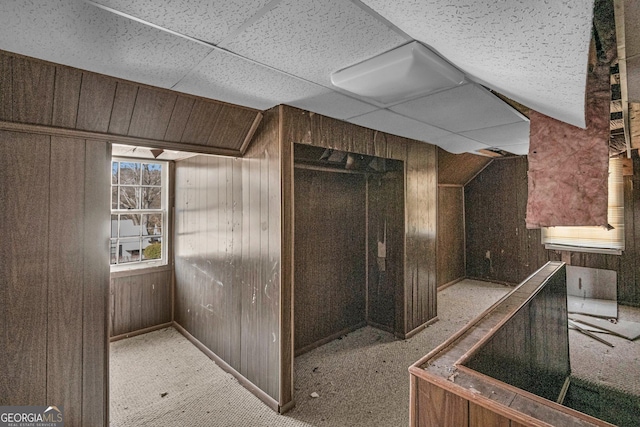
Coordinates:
361 379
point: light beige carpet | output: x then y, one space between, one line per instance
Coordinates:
361 379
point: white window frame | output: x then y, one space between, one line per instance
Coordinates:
595 239
164 179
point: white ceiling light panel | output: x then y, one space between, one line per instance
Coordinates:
400 74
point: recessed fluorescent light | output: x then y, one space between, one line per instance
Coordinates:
400 74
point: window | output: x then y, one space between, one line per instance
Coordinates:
138 213
595 239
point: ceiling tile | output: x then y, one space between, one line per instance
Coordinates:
512 134
209 21
312 39
534 52
456 144
229 78
80 35
387 121
463 108
334 104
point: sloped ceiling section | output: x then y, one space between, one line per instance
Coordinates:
261 53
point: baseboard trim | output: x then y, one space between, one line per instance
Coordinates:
330 338
418 329
499 282
287 407
451 283
266 399
140 331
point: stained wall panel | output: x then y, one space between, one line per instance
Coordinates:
330 255
227 256
24 219
451 244
33 86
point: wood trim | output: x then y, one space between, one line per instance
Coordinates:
287 407
330 338
451 185
140 331
139 271
329 169
118 139
252 131
451 283
480 171
417 329
266 399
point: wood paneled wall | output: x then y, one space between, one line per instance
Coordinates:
54 273
42 93
451 244
227 257
385 218
140 300
495 207
420 189
330 256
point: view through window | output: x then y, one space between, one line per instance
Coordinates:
138 212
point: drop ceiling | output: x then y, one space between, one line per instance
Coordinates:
261 53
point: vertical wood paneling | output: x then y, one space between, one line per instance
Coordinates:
6 87
65 97
66 280
201 123
227 256
24 219
179 117
95 356
329 253
436 407
151 113
96 101
33 84
140 301
123 103
451 245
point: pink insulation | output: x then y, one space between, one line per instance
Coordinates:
568 166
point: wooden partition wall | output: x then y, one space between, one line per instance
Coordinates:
487 373
54 274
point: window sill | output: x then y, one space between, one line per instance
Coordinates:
130 270
603 251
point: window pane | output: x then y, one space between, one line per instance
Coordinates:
114 197
114 172
129 198
113 249
151 197
152 248
151 174
152 224
130 251
129 173
130 225
114 226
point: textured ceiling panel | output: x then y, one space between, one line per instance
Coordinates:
312 39
206 20
81 35
387 121
497 136
334 104
228 78
533 51
463 108
457 144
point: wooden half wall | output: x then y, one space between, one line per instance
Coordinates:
54 274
